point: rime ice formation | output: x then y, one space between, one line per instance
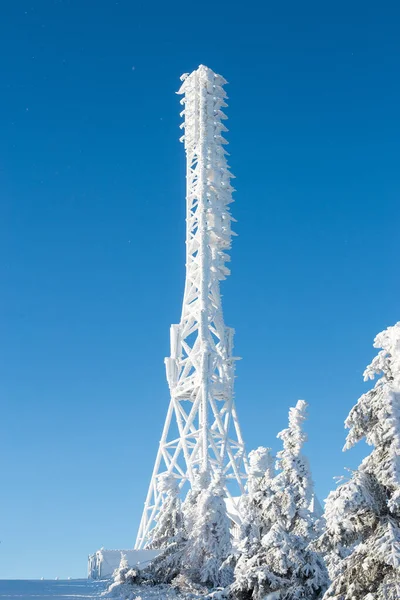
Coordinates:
201 431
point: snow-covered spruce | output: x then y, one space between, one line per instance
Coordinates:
208 528
190 505
295 471
170 518
168 533
362 535
281 565
254 525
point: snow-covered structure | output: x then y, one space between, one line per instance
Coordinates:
201 435
201 430
102 563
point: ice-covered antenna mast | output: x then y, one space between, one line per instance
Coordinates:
201 431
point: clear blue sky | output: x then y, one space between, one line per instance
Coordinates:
92 241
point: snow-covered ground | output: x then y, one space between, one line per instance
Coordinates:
50 590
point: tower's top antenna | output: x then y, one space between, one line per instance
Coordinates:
207 70
203 101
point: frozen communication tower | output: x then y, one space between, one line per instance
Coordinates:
201 431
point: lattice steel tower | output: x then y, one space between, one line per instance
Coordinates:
201 431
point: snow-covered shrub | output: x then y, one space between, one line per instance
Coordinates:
362 537
277 561
123 578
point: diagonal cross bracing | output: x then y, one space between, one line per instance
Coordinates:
201 431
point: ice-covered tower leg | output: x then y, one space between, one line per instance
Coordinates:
201 431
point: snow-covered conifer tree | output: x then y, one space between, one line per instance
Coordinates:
296 493
190 505
170 518
168 534
254 525
171 562
284 567
261 473
362 535
209 538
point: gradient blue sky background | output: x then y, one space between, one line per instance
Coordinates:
92 241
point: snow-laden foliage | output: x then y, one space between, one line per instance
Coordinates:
254 525
299 500
198 551
190 505
190 590
280 564
362 537
169 533
294 486
170 518
376 416
208 529
261 464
